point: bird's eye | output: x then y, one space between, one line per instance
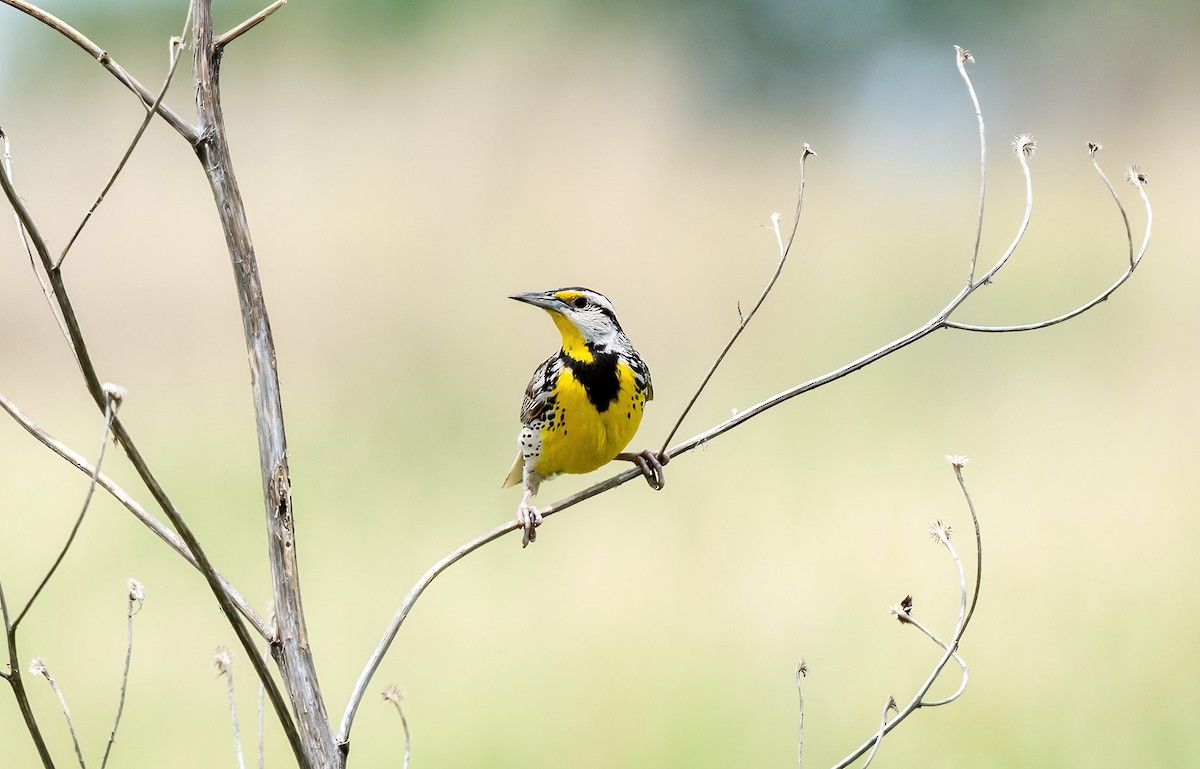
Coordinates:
580 302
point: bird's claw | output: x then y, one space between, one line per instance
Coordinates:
651 464
529 518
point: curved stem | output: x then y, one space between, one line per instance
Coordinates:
784 250
18 686
962 57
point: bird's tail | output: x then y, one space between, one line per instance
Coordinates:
516 473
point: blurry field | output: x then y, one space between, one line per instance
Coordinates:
399 189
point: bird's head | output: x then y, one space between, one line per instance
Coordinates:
585 318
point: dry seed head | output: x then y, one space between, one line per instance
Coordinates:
1025 144
1137 176
114 393
958 460
37 667
136 591
392 694
222 660
964 56
1094 148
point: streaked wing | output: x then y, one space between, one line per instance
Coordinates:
538 393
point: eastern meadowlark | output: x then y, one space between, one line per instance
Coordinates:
584 403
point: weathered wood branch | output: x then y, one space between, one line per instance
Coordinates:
290 648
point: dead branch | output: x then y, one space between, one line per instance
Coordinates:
291 648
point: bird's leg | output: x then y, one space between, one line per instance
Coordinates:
529 518
651 464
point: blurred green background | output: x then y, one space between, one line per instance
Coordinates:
408 165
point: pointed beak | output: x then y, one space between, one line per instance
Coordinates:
543 299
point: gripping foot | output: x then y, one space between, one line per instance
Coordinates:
529 517
651 464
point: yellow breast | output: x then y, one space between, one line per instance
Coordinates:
579 437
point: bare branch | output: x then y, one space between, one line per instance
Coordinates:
176 49
42 279
801 671
1139 181
136 595
950 649
905 616
38 668
392 695
888 707
1094 150
262 709
958 461
130 504
1024 146
13 676
313 741
962 57
185 129
223 40
744 320
224 665
115 396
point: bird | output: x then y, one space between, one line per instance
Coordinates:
584 403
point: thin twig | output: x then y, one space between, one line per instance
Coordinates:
38 273
224 665
223 40
392 695
13 676
1138 180
1025 146
115 396
801 671
262 709
744 320
962 57
957 462
38 668
136 595
950 649
129 503
1094 150
888 707
907 618
176 47
185 129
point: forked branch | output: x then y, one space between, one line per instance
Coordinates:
1024 147
903 611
